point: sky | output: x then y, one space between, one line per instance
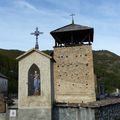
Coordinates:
19 18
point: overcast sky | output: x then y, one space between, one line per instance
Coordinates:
18 18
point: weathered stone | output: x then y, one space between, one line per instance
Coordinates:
73 113
73 74
110 112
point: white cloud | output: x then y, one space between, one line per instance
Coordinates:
24 5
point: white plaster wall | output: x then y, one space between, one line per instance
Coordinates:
44 64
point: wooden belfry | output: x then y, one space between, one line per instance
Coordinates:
72 34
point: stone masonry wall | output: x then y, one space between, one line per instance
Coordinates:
71 113
73 74
111 112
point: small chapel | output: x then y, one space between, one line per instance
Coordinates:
64 78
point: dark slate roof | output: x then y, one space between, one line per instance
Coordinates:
3 76
95 104
73 34
72 27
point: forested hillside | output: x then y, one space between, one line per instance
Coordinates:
106 67
9 67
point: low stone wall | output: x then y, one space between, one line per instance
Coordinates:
100 110
71 113
111 112
102 113
108 109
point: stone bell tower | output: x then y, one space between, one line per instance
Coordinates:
73 68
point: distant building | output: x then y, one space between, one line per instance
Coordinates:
3 83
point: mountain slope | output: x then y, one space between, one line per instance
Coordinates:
9 67
106 67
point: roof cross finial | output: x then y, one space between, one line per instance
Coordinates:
72 18
36 33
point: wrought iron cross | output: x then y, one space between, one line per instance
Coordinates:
72 15
36 33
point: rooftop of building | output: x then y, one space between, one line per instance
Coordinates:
72 34
95 104
72 27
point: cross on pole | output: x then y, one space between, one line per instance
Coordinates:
36 33
72 15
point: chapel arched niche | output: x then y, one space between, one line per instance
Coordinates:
34 80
